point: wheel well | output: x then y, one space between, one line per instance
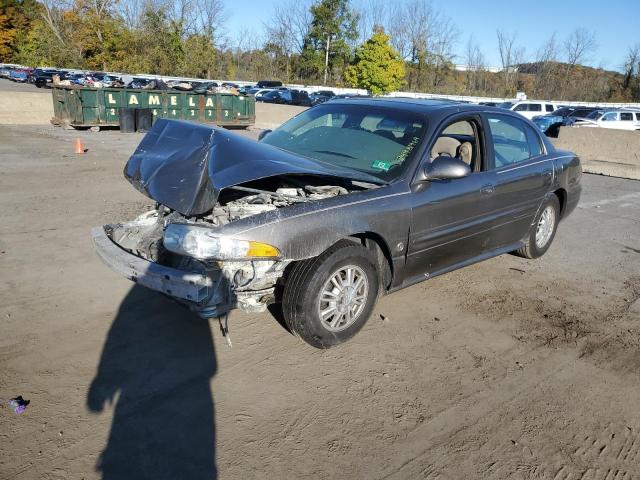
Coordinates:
380 249
561 193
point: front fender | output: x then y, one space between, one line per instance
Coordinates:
306 230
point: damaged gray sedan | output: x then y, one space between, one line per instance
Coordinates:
347 201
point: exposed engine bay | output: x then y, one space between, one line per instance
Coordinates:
249 284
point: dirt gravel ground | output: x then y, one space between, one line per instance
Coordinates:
507 369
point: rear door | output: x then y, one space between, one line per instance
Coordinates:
522 174
627 122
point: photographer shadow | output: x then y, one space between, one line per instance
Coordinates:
158 360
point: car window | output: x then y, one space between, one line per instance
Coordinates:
459 140
459 128
626 116
609 117
535 148
535 107
638 116
549 108
377 141
510 142
523 107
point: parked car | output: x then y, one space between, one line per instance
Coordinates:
20 75
4 72
321 96
622 119
564 116
31 78
272 96
76 78
300 98
245 89
549 124
530 109
45 78
346 201
286 97
269 84
261 93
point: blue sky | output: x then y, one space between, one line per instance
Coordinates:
616 23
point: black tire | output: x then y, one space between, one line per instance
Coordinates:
530 249
304 285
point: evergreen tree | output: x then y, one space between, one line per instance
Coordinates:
326 47
377 66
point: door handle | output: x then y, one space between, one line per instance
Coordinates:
487 189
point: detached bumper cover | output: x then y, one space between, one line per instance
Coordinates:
191 287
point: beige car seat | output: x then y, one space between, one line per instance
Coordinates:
465 152
445 146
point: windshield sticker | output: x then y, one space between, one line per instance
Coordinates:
380 165
404 153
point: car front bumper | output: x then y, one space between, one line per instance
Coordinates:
186 286
209 295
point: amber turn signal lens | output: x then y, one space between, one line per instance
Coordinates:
257 249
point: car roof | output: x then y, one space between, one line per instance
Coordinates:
419 105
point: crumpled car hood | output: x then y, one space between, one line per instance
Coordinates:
185 165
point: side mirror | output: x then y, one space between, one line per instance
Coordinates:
446 168
263 134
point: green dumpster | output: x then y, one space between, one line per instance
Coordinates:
78 106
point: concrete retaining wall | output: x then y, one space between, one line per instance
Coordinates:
604 151
25 108
269 115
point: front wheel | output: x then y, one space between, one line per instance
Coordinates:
328 299
543 231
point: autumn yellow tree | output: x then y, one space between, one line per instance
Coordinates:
14 23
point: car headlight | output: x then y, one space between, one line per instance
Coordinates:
201 243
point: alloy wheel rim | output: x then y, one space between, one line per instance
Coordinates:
544 229
343 298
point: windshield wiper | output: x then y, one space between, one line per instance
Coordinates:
367 185
330 152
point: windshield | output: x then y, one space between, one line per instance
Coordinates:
595 115
374 140
505 105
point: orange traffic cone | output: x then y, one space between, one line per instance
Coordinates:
79 147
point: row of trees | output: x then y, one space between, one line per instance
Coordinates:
376 44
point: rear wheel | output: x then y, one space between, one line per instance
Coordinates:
328 299
543 231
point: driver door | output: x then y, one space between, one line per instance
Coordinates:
452 219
